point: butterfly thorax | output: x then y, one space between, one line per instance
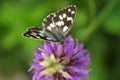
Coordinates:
55 34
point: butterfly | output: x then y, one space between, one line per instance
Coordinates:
55 26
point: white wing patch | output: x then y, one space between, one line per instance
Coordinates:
60 17
60 23
69 10
69 19
64 15
73 12
65 28
52 25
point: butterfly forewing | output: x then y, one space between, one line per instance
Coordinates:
63 19
55 26
48 20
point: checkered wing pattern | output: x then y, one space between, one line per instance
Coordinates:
55 26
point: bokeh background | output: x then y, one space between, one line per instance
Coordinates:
97 25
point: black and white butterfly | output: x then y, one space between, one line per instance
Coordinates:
55 26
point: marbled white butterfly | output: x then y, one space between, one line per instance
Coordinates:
55 26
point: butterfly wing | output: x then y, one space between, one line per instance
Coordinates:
61 20
55 26
37 33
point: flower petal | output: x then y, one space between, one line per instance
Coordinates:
48 47
59 50
36 76
66 75
73 68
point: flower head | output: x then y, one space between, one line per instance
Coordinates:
55 61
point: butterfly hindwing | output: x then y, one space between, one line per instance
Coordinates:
33 32
37 33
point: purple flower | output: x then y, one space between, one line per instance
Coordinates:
55 61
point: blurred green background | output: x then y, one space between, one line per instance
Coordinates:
97 25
